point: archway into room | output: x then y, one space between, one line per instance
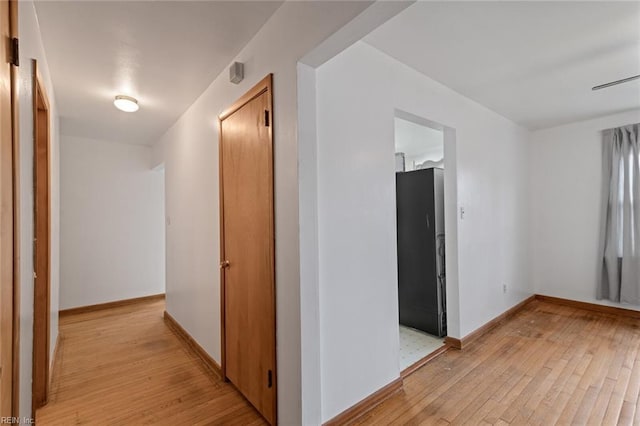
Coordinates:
423 184
348 235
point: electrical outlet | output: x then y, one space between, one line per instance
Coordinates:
504 288
461 213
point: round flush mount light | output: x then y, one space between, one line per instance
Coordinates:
126 103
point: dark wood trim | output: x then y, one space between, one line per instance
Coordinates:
453 342
15 126
423 361
223 369
209 363
42 240
264 85
109 305
474 335
268 84
367 404
613 310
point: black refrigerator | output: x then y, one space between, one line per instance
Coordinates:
421 262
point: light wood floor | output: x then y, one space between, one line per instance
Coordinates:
123 366
549 364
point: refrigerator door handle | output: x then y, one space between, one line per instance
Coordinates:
428 222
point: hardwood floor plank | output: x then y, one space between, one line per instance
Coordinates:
552 406
548 364
614 407
457 366
123 365
537 366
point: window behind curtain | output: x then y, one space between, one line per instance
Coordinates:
621 191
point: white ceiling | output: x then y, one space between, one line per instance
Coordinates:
164 53
532 62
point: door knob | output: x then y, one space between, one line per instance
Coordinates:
224 264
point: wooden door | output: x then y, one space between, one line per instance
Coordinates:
247 248
8 362
41 241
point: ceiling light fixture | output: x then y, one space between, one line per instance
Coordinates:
126 103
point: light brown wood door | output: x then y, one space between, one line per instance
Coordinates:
247 225
6 218
41 243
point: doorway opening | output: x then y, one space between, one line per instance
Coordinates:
420 226
41 242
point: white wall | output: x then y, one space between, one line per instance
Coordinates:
357 94
111 222
310 342
190 152
565 165
31 48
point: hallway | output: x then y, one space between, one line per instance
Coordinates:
124 366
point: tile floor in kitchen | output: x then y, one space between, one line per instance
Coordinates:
415 345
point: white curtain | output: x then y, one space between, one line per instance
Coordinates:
620 232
